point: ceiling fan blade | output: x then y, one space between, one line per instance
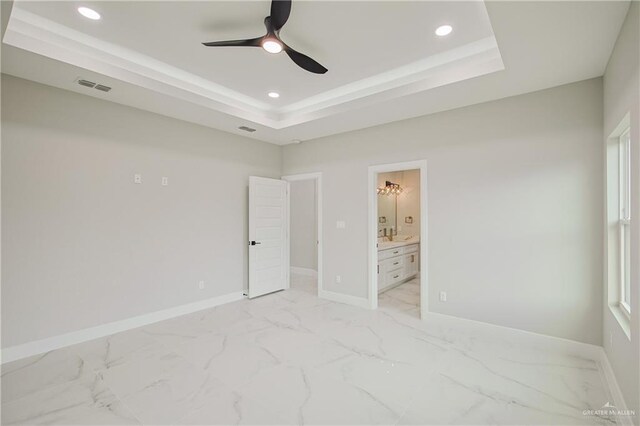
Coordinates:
252 42
304 61
280 11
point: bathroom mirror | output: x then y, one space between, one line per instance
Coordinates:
387 212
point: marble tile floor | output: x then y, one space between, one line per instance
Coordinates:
290 358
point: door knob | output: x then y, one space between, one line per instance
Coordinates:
253 243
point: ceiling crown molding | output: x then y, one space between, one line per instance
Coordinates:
468 61
42 36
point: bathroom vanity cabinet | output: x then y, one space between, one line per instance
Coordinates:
397 265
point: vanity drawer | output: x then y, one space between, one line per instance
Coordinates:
394 277
385 254
393 263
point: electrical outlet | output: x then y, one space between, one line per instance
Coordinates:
201 285
137 178
443 296
165 181
338 279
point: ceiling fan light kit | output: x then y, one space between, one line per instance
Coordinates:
271 42
272 46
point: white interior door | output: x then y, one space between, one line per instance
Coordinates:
268 235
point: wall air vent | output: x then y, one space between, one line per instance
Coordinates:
247 129
86 83
92 85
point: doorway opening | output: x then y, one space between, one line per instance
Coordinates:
398 238
305 194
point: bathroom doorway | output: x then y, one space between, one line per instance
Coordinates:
397 238
305 194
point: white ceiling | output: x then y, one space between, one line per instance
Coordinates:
353 41
384 61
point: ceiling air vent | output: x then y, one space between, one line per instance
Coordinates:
86 83
92 85
247 129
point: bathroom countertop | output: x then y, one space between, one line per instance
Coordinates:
398 241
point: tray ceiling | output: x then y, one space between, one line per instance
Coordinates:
377 53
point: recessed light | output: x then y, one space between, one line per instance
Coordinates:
444 30
88 13
272 46
274 95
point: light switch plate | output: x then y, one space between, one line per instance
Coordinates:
137 178
165 181
341 224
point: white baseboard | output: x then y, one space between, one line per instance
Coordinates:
56 342
515 335
609 378
304 271
361 302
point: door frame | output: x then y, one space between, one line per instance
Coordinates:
373 230
317 177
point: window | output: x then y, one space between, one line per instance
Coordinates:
624 221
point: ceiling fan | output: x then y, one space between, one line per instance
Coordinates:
271 42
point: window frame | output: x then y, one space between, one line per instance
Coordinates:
624 219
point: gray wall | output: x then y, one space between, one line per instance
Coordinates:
515 199
621 93
515 194
82 244
304 246
409 203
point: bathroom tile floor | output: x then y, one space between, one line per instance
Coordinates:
291 358
403 298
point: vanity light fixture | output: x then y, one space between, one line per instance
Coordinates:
88 13
390 188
